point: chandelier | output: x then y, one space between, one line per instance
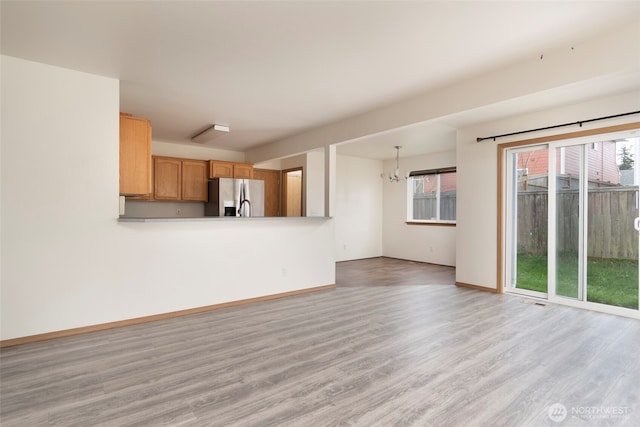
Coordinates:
395 175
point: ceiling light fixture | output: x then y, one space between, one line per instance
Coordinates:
210 133
395 175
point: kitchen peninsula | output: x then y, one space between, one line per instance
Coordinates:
80 267
223 218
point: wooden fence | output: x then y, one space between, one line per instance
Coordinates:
424 206
610 231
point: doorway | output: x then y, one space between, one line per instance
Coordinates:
572 222
292 180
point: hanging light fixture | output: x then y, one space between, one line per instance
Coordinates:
395 175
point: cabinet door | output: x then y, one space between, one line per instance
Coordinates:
194 180
167 174
219 169
135 156
243 170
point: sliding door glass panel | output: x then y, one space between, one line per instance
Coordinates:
612 206
527 212
569 168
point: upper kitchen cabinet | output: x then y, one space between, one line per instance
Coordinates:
167 178
221 169
243 170
194 180
180 179
135 156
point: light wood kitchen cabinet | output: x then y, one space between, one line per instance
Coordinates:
222 169
194 180
180 179
243 170
135 156
167 177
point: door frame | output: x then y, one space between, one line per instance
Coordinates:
284 189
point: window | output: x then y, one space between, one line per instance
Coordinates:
432 195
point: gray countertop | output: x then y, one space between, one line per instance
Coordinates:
223 218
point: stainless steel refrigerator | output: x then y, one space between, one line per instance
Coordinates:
235 197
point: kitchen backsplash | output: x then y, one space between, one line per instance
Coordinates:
146 209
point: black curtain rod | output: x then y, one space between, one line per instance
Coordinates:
580 123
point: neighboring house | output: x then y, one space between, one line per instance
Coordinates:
448 182
603 167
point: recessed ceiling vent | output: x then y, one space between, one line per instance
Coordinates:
210 133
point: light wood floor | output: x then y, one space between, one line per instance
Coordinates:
434 355
384 271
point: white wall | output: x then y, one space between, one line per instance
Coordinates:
269 164
293 162
66 260
312 164
434 244
476 247
314 184
358 208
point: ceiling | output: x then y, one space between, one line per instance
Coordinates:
269 70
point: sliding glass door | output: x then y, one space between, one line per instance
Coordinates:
586 253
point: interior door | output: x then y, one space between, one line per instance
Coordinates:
292 192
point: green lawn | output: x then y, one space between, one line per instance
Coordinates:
609 281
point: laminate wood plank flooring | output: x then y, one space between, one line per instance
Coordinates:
383 271
436 355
